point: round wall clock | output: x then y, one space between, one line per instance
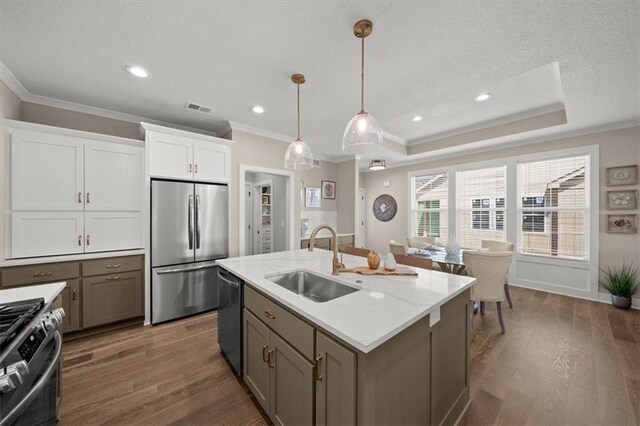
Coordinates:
385 208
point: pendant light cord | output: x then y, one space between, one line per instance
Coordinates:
362 80
298 84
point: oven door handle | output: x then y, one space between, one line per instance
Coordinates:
11 417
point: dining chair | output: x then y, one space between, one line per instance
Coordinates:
420 242
397 248
489 269
495 245
356 251
418 262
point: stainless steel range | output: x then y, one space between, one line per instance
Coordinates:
30 347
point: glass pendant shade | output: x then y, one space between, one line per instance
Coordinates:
298 156
363 136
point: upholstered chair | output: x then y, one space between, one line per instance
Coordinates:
495 245
489 270
419 242
397 248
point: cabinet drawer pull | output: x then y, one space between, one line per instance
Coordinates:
316 369
117 277
190 168
113 266
79 240
269 315
42 274
88 240
269 359
264 353
196 168
87 198
79 197
74 294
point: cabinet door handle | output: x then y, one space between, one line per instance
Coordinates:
264 353
74 294
117 277
79 197
269 315
269 359
79 240
88 199
196 168
113 266
42 274
88 239
316 369
190 168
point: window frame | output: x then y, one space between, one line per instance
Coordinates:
412 227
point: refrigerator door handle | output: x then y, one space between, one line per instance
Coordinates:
190 221
198 230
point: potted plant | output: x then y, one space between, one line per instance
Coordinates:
622 283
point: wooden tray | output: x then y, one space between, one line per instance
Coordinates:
364 270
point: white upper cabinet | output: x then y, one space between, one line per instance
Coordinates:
177 154
72 192
46 172
110 173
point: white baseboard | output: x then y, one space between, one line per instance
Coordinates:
602 297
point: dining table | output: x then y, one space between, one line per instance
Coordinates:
448 262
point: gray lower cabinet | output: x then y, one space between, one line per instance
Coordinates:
280 378
419 376
335 383
70 302
111 298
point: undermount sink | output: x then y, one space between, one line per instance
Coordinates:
311 286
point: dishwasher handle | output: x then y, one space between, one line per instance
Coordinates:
223 276
195 268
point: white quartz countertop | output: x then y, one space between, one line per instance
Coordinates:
365 319
324 233
47 291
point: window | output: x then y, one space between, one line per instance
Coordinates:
554 207
480 204
429 195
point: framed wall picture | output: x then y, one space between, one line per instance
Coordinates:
624 175
622 223
328 190
622 200
312 197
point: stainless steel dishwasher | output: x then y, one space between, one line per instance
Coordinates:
230 297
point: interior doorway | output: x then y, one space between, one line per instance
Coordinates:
266 211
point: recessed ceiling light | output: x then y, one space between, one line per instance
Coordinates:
257 109
416 118
483 97
138 71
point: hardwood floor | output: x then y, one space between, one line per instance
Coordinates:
167 374
562 361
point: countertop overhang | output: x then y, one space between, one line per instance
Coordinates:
385 305
47 291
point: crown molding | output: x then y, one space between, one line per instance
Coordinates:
394 138
12 82
234 125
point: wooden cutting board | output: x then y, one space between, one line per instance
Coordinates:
364 270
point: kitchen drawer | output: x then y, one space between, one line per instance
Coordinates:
111 265
35 274
297 332
345 240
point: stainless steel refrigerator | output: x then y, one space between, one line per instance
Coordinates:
189 231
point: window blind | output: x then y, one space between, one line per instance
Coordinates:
553 207
480 205
429 205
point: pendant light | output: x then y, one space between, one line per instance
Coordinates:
363 134
298 155
377 165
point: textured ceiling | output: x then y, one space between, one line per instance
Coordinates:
424 57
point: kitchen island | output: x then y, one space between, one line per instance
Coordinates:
396 351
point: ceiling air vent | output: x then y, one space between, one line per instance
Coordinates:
196 107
